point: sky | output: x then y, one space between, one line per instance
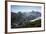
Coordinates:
18 8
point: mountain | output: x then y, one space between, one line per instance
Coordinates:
26 15
31 15
23 19
13 14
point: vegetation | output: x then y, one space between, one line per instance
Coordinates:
36 23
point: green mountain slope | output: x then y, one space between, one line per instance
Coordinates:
36 23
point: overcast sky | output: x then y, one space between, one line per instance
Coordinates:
17 8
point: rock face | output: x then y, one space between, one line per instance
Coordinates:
20 19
